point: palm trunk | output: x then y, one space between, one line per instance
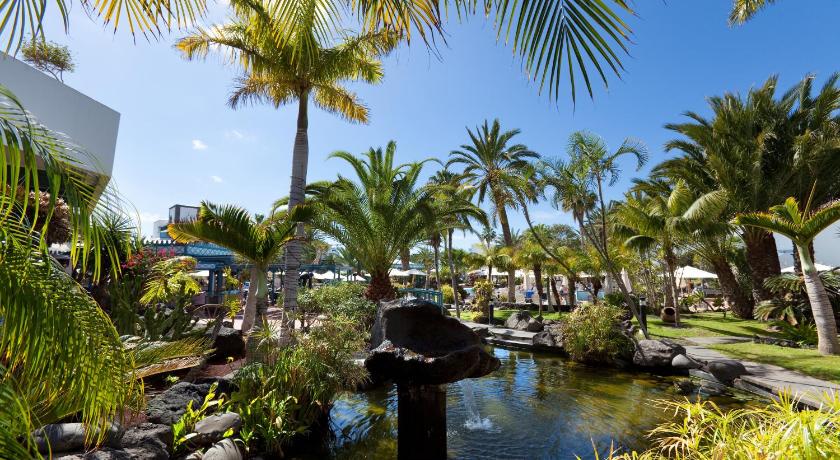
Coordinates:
405 258
739 301
820 306
250 314
571 285
763 260
436 249
548 281
503 221
380 287
452 274
297 190
538 281
671 264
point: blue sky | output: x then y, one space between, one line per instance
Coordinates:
180 143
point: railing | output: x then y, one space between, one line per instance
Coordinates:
425 294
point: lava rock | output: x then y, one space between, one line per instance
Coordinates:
550 339
149 441
481 332
522 321
170 405
656 353
421 346
726 370
68 437
685 362
225 449
229 342
684 387
211 429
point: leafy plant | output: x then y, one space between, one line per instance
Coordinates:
48 57
168 297
339 300
591 333
448 293
482 296
804 333
186 424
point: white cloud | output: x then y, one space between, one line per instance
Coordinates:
146 221
216 179
198 144
238 135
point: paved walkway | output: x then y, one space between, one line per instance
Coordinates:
767 377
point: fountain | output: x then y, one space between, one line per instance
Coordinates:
422 350
474 420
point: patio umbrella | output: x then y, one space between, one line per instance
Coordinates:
693 273
820 268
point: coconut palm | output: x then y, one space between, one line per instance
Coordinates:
260 244
297 66
50 371
802 226
376 215
487 254
499 172
744 10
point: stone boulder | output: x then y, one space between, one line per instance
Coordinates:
229 342
148 441
685 362
68 437
656 353
550 339
523 321
726 370
211 429
169 406
225 449
419 345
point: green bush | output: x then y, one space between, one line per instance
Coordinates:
614 299
293 389
448 293
777 431
339 299
592 333
483 295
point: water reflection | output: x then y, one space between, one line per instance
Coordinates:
534 407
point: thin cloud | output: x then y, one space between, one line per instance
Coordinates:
216 179
237 135
198 144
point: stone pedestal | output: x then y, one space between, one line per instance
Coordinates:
421 422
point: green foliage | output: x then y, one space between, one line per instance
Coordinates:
591 333
339 300
614 299
48 57
804 333
482 296
448 293
186 424
168 297
779 430
293 388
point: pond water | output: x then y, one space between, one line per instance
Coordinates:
535 406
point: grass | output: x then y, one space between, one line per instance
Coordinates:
712 324
807 361
503 315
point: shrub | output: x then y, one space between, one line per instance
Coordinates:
592 333
448 293
776 431
293 389
483 295
340 299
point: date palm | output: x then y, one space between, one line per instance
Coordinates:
802 226
496 168
293 63
376 215
529 255
744 10
260 243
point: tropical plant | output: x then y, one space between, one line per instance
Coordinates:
260 244
483 295
744 10
530 256
287 62
50 371
374 217
167 297
592 333
499 172
340 300
48 57
790 299
186 423
802 226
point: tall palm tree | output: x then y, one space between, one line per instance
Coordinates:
260 244
530 256
802 226
499 172
376 215
298 65
744 10
49 371
487 254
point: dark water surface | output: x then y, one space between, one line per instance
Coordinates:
535 406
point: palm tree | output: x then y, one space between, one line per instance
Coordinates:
50 371
374 217
802 226
498 171
260 244
744 10
529 255
297 66
487 254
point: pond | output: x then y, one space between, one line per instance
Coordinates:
536 406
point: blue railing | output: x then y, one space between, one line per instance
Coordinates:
425 294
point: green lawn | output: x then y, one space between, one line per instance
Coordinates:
708 325
502 315
804 360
